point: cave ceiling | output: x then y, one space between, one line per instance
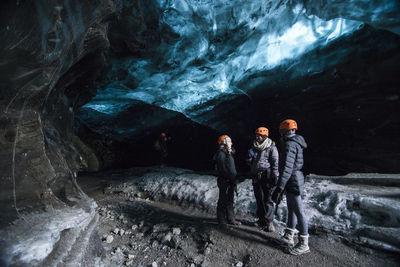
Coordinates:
186 55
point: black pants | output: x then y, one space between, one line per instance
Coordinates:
225 212
263 188
163 157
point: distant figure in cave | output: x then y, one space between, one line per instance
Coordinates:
226 181
291 180
263 159
161 147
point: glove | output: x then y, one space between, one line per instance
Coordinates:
239 179
251 153
276 194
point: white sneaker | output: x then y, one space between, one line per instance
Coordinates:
288 236
301 247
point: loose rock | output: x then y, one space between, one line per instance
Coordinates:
176 231
109 239
167 238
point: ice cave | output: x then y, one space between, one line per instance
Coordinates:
88 86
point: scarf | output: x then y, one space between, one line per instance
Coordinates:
264 145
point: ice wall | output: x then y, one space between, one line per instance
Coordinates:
43 50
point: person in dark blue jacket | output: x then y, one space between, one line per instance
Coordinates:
291 180
226 181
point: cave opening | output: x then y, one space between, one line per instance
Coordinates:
88 86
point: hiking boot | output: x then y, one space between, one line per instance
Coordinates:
269 227
288 236
221 221
260 223
223 226
301 247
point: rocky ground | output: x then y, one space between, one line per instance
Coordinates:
138 231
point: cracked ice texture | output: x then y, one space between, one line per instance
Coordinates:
219 43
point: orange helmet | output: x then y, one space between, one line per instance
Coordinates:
288 125
223 139
163 134
262 131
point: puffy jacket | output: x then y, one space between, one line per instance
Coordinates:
264 159
291 162
225 165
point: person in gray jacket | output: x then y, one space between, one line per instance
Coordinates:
226 181
291 180
263 159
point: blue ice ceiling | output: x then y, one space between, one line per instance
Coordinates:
218 44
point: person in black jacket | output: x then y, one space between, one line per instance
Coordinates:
226 181
291 180
161 147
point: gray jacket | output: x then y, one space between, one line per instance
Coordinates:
263 160
291 162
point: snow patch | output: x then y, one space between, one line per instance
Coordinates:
346 209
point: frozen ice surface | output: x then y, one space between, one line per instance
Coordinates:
35 236
344 209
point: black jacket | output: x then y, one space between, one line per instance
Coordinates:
225 165
291 162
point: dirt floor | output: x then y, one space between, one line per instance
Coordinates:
137 231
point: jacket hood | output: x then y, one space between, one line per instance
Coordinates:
298 139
